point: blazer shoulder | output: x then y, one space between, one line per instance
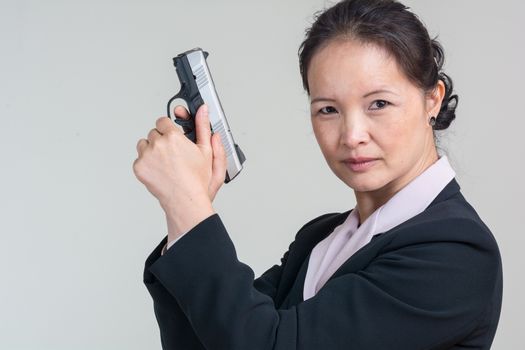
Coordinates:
452 220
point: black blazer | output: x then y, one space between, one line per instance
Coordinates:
432 282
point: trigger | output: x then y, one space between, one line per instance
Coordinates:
188 126
185 123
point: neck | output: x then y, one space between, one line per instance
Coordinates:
370 201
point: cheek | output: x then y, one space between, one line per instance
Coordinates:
327 137
389 136
400 140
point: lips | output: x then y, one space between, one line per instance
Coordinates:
360 164
358 160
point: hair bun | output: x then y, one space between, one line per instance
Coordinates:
447 113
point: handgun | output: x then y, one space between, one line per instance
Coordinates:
197 88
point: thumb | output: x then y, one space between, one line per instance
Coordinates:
218 165
202 124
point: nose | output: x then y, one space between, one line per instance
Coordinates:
354 131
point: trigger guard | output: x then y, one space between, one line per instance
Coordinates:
181 95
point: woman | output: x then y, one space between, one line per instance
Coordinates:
412 266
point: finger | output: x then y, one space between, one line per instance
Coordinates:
141 146
165 125
202 124
153 135
219 163
135 166
181 112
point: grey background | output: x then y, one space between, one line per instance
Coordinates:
82 81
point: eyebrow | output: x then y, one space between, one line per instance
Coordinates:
380 91
322 99
326 99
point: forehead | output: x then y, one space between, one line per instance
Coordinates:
346 64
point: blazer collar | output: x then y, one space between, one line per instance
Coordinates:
320 229
450 189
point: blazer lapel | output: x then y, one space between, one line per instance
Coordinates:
294 273
362 257
292 281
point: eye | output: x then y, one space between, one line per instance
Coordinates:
328 110
379 104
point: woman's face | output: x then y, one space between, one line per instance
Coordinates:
370 121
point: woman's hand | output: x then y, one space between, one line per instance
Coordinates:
184 176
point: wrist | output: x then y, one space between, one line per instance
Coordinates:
182 218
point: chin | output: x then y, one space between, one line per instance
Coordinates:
362 182
364 186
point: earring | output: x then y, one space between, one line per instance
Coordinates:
432 121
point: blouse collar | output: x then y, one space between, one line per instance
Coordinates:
411 200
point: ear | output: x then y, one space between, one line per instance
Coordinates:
434 99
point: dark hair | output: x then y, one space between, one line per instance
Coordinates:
391 25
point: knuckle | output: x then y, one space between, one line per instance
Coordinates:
172 134
152 133
137 167
153 145
141 144
157 145
160 123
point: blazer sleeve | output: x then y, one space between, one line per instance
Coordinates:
268 282
176 331
421 296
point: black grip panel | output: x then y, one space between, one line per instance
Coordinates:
189 92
